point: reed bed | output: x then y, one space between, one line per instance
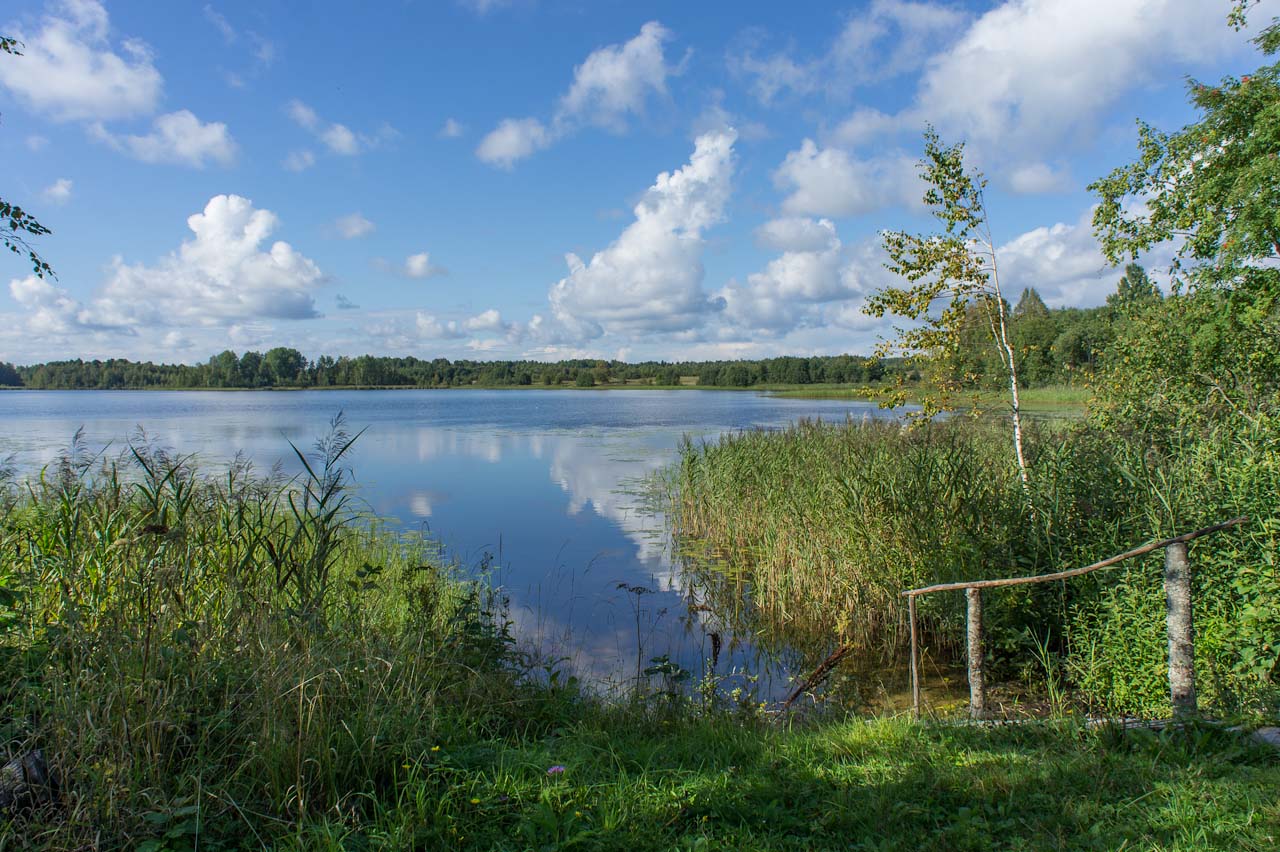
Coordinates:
809 534
231 653
825 524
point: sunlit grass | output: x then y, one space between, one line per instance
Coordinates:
1056 400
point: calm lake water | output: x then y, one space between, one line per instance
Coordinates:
541 485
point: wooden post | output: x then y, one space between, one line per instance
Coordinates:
915 657
1182 653
977 688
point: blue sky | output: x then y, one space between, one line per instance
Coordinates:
544 179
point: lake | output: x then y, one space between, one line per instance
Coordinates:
539 490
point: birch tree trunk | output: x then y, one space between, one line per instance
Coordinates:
1010 361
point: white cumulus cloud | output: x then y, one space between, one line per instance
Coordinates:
807 272
51 310
512 140
833 182
616 81
178 138
490 320
58 192
353 225
1061 261
431 328
612 84
71 71
1031 73
650 277
226 273
420 266
795 233
338 138
886 39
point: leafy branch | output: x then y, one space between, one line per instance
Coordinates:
16 224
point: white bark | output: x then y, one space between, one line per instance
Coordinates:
1182 653
1001 330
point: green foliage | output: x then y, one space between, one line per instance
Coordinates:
147 648
1118 637
954 278
1195 359
18 225
1209 352
283 367
152 646
1135 291
1215 183
827 524
952 288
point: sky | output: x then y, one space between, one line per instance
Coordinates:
550 179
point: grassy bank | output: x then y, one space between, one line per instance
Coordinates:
1052 400
636 784
233 661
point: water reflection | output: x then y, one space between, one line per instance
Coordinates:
539 491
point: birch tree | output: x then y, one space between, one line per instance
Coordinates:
948 273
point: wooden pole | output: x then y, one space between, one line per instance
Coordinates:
915 657
977 688
1182 653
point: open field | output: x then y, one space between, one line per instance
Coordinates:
1052 400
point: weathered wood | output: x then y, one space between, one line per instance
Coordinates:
1076 572
977 683
915 659
1182 653
819 675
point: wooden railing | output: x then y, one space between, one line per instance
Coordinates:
1177 586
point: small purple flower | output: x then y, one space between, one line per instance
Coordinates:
556 770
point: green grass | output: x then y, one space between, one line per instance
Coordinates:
1052 400
636 784
231 661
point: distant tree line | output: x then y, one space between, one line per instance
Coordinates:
288 368
1054 346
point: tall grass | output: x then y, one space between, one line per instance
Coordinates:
193 691
825 524
238 650
813 531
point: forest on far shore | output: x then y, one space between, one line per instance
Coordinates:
1056 346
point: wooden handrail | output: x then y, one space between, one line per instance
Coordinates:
1076 572
1177 580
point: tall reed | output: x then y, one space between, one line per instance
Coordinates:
240 650
811 533
825 524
